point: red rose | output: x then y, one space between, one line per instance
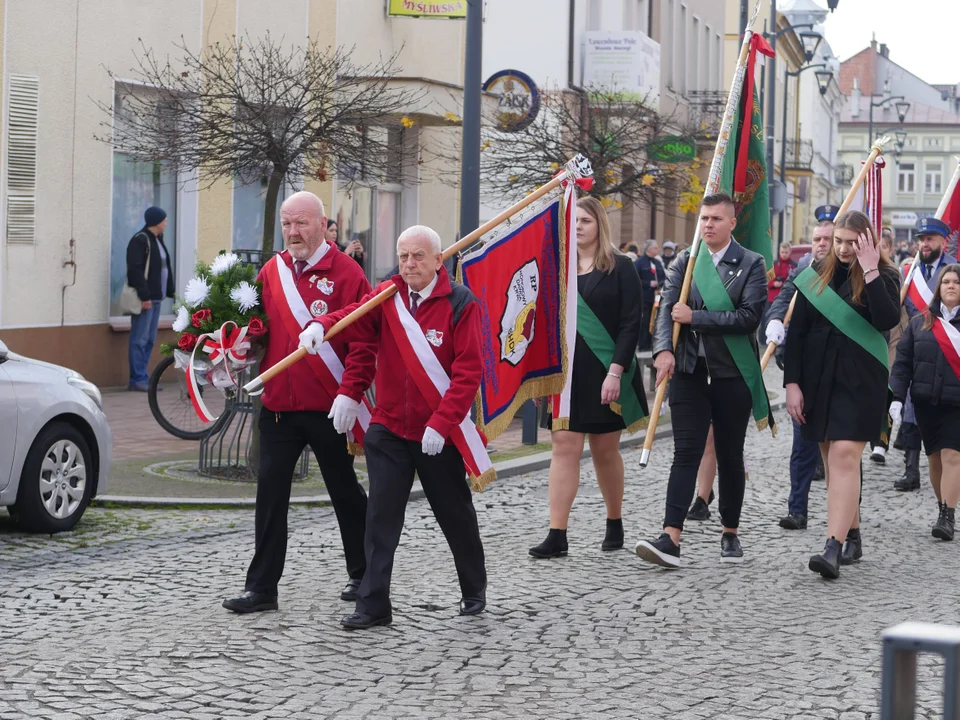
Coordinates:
187 341
200 316
256 327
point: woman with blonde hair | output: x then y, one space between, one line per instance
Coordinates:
607 395
836 368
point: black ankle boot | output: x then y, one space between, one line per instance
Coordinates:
944 528
828 562
852 548
613 540
554 546
910 480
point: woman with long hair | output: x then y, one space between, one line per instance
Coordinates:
606 388
928 365
836 369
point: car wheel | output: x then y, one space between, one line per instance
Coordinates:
56 482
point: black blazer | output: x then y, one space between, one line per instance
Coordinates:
745 277
922 367
615 299
148 288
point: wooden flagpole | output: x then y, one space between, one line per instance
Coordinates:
875 152
578 167
713 181
941 209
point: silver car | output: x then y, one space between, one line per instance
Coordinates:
55 443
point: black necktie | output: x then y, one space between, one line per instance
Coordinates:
299 266
414 302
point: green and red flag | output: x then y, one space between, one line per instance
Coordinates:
743 175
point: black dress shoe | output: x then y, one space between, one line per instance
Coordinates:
472 606
350 590
362 621
793 522
613 539
852 548
251 602
554 546
828 562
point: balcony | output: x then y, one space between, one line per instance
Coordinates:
706 110
844 174
798 155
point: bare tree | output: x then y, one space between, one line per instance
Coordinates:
260 108
613 131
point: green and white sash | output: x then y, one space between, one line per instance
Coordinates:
602 345
716 299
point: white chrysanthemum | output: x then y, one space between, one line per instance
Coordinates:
222 263
196 292
245 296
183 320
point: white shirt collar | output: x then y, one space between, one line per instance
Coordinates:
425 293
317 256
948 314
718 255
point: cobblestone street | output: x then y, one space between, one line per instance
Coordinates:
122 618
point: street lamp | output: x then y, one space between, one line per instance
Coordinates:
832 4
823 81
811 41
901 136
902 106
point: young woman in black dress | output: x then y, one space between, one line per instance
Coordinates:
837 388
609 285
931 370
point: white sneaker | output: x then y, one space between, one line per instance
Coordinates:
879 455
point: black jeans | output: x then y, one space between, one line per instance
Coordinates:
283 436
392 462
695 401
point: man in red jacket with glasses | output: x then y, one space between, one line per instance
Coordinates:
428 372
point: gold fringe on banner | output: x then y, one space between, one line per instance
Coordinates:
566 363
355 449
529 390
479 484
638 425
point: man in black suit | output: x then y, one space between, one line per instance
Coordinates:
652 276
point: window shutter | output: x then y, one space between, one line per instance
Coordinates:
23 102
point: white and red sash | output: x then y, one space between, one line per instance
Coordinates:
948 337
432 381
295 315
919 292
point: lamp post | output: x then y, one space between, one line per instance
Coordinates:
823 81
472 89
901 105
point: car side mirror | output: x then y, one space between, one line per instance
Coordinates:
4 351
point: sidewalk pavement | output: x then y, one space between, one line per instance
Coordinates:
151 467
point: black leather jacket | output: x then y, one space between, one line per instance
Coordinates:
745 277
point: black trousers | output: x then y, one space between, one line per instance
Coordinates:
695 401
283 436
646 339
392 462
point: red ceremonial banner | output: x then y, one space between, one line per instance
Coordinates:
519 280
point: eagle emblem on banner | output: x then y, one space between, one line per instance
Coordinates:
518 320
434 337
318 308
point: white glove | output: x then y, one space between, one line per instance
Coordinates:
432 442
312 337
343 413
775 333
896 411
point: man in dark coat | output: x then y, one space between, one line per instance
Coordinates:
652 276
149 273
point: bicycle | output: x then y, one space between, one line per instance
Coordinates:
171 406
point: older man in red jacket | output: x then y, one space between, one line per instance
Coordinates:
428 372
313 403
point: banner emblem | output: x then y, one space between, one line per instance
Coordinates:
519 316
318 308
434 338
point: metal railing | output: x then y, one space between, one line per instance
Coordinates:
798 154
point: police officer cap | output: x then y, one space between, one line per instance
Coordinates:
932 226
826 212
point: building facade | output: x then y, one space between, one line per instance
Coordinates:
690 68
68 212
916 174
